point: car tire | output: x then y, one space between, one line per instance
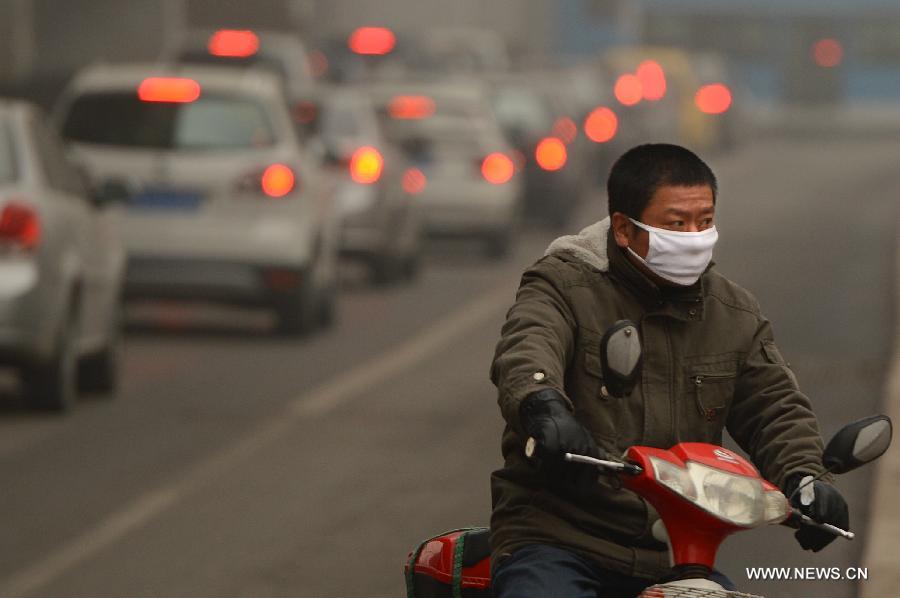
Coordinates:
298 312
99 372
412 266
52 385
328 307
386 269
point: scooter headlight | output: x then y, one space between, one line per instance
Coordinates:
674 478
733 498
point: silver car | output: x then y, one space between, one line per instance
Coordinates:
61 267
467 177
380 211
224 202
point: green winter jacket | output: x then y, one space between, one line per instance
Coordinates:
709 363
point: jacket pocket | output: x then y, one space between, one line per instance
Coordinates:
709 398
712 393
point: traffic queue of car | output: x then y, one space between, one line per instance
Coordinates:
243 165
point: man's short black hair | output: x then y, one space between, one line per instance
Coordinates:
640 171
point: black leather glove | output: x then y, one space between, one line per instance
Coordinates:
546 418
821 501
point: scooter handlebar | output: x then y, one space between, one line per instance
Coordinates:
614 466
629 468
797 519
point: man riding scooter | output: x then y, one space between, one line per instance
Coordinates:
709 363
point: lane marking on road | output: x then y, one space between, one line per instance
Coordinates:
322 399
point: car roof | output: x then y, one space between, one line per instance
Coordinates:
269 40
107 77
456 89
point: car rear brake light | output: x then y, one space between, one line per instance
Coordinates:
566 129
411 107
233 43
601 125
551 153
20 226
318 63
305 112
497 168
374 41
414 181
168 89
628 89
277 180
653 80
713 99
366 165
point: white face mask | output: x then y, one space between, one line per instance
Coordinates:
679 257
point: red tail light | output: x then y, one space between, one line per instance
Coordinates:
566 129
628 89
497 168
601 125
372 40
414 181
827 52
305 112
551 153
277 180
713 99
168 89
233 43
318 63
653 80
411 107
20 226
366 165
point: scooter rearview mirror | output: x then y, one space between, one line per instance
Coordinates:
858 443
620 358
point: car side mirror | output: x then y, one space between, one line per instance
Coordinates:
858 443
620 358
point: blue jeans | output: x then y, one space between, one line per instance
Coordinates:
542 571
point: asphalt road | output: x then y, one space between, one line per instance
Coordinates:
239 464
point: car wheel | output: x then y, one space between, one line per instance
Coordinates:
386 269
99 372
52 385
412 266
328 307
298 312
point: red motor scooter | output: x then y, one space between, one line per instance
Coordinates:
702 492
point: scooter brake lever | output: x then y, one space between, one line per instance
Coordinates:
628 468
797 519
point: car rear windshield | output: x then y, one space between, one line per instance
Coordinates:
257 61
207 124
7 153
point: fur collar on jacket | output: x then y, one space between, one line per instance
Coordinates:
588 246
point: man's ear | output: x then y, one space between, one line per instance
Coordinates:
620 226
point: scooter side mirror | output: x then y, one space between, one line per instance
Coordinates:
620 358
858 443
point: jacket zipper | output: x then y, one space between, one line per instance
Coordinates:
699 380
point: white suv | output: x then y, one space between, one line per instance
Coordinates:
224 201
61 267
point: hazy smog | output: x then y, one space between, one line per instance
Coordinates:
255 257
